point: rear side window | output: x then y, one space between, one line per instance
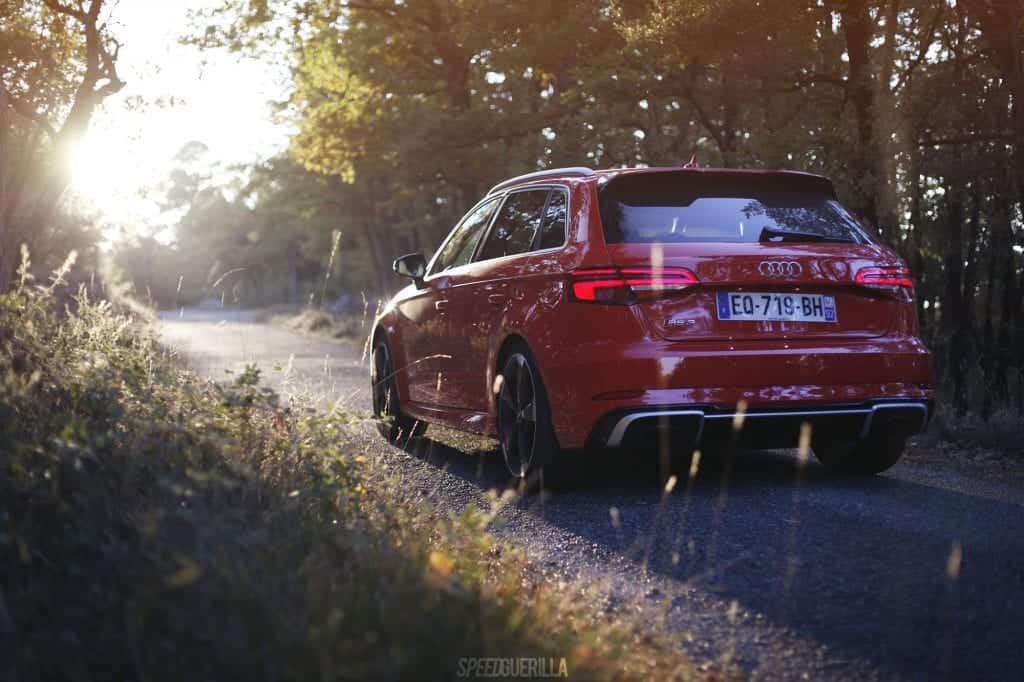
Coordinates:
458 249
685 207
552 229
516 225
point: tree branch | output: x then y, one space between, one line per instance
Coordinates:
108 58
101 50
386 11
67 10
922 52
809 80
688 82
965 139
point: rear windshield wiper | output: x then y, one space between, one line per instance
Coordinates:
769 234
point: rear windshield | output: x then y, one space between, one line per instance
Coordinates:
686 207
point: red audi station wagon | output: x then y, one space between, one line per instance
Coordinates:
580 309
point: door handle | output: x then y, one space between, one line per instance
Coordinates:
497 299
441 306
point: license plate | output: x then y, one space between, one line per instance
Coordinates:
739 306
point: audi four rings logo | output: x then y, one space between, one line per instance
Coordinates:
771 268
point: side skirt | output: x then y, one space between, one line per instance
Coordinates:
455 418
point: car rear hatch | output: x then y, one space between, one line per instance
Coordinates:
774 256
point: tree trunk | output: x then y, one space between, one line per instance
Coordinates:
730 115
885 122
953 260
858 30
952 317
964 331
971 271
1016 324
293 272
988 347
371 229
1007 314
917 237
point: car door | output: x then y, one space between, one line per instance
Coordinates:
484 291
435 349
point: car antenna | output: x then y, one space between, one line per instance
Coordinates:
692 163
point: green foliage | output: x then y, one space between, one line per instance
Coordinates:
40 56
153 526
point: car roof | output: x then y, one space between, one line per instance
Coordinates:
583 174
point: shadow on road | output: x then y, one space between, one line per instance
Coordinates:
640 471
921 581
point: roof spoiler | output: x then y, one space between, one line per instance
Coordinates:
699 179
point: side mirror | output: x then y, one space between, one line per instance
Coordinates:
413 266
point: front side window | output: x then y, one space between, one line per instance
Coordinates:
459 248
516 225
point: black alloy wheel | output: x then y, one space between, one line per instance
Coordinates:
524 418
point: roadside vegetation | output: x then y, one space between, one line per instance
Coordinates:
347 327
153 526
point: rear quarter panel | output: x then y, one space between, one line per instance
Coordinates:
558 332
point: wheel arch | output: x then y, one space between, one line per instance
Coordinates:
510 341
495 365
377 334
387 333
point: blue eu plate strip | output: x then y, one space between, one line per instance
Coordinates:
723 305
830 308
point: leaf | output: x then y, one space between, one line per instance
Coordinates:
441 564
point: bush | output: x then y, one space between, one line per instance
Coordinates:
341 327
156 527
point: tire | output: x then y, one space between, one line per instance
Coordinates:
525 432
871 455
392 423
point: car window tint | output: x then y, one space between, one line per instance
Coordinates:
459 248
682 207
516 225
552 229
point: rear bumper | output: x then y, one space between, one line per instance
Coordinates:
591 384
691 425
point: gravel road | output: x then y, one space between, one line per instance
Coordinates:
784 571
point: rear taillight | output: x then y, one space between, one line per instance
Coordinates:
624 286
894 280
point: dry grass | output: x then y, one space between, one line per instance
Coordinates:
1003 432
348 328
156 527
